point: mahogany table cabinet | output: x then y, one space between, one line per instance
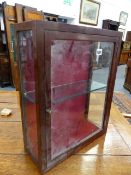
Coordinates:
67 76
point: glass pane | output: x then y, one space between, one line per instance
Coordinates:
28 88
76 85
102 53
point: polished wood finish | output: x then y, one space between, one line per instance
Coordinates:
124 56
127 83
30 14
102 156
19 11
42 41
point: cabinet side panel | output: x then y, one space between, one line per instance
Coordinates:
28 91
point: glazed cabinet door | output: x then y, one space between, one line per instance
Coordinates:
75 89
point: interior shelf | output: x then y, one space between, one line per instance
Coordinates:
30 95
97 86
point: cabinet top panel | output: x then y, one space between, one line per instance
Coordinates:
53 26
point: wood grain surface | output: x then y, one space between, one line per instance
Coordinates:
108 155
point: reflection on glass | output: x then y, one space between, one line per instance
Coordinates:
28 88
102 53
77 90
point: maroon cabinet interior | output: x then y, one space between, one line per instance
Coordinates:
67 76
